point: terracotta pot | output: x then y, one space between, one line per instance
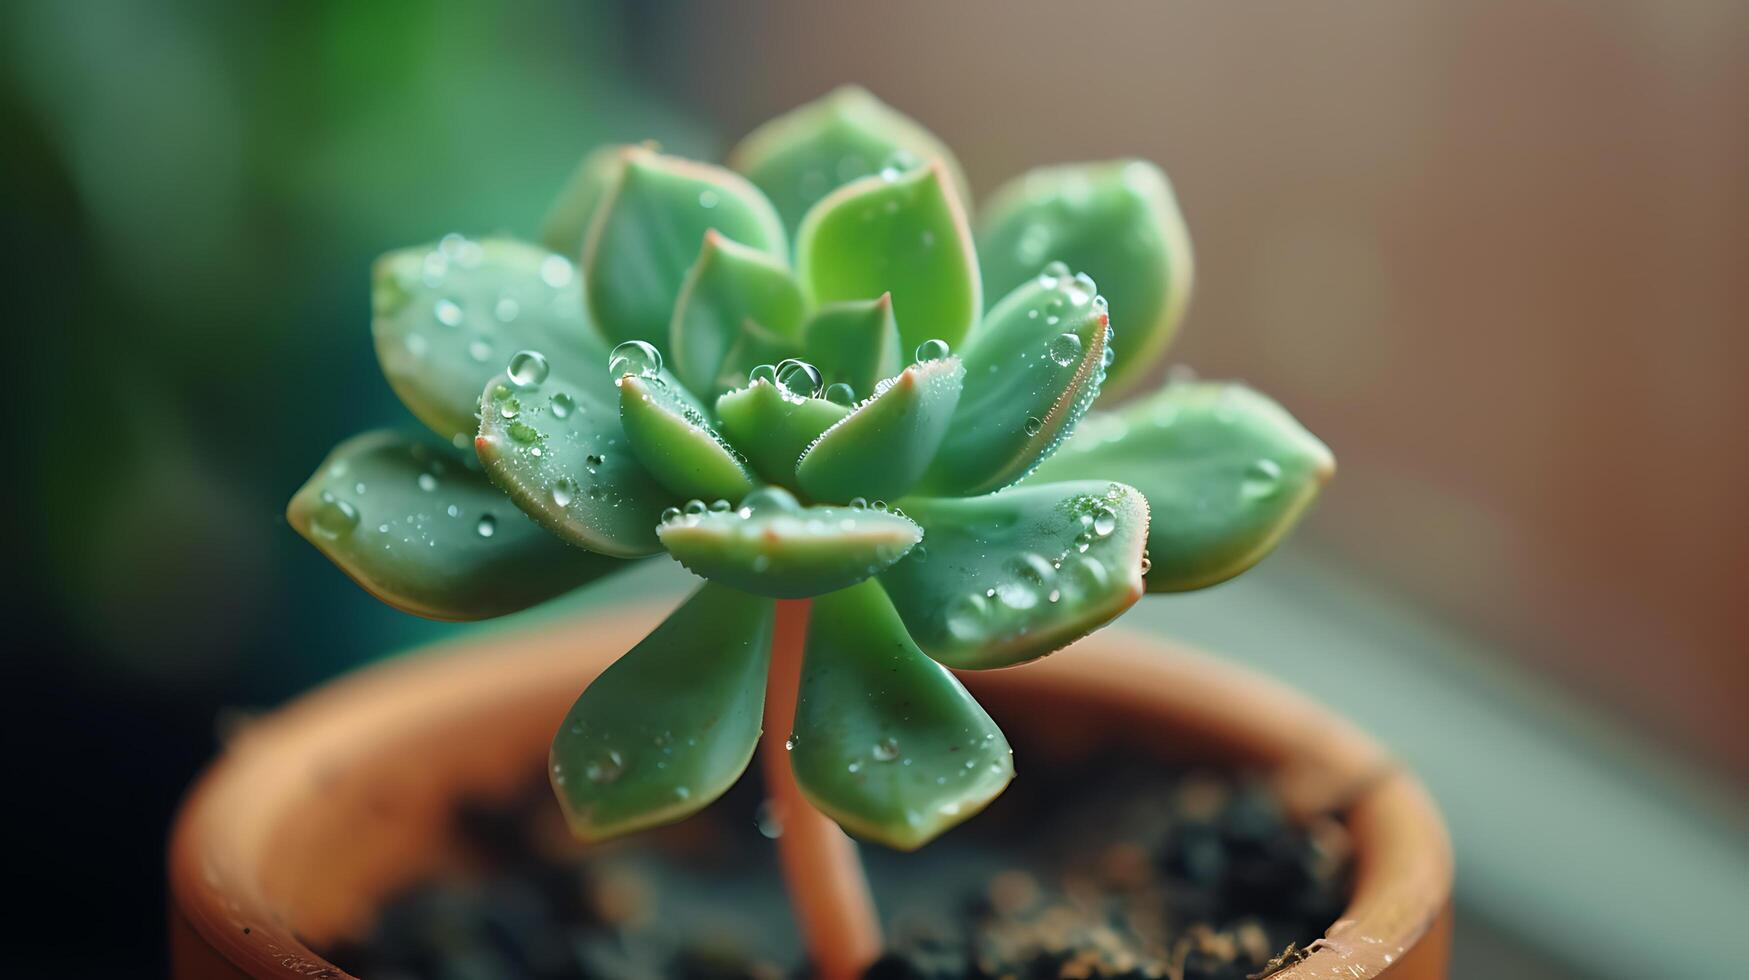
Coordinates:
315 813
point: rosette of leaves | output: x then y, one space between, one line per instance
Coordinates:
806 376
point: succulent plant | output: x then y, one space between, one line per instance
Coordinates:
804 378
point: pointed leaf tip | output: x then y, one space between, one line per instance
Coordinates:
903 234
801 156
647 231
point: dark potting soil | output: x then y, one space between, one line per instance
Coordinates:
1123 869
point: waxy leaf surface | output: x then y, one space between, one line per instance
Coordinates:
887 742
648 230
449 316
1032 370
729 287
1227 473
855 342
1012 576
773 427
410 522
1119 223
906 236
558 449
788 551
677 443
883 446
670 725
801 156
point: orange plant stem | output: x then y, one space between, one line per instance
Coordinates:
821 868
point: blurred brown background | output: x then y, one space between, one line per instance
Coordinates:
1495 253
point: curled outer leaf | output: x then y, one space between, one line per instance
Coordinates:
729 286
1032 370
1012 576
1227 473
886 741
676 442
1117 221
906 235
568 221
855 342
672 724
448 316
773 546
774 426
561 454
799 157
646 233
408 521
884 445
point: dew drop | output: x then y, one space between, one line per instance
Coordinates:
670 515
563 492
762 372
1262 480
707 199
858 503
932 350
841 394
555 271
694 507
334 517
769 499
1033 425
427 482
768 821
488 526
447 313
604 767
634 357
528 368
1104 522
1065 349
967 616
563 405
799 378
886 750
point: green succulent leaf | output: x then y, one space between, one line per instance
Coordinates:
886 741
855 342
801 156
677 444
672 724
563 458
411 523
567 223
647 232
1032 370
729 286
1117 221
449 316
882 448
774 546
1012 576
775 427
754 346
1227 473
907 236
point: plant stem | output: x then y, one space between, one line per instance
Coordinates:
821 868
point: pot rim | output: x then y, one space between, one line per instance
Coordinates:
226 826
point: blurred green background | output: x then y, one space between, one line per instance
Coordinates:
1491 252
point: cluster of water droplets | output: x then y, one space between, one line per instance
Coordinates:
1033 582
468 309
335 516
